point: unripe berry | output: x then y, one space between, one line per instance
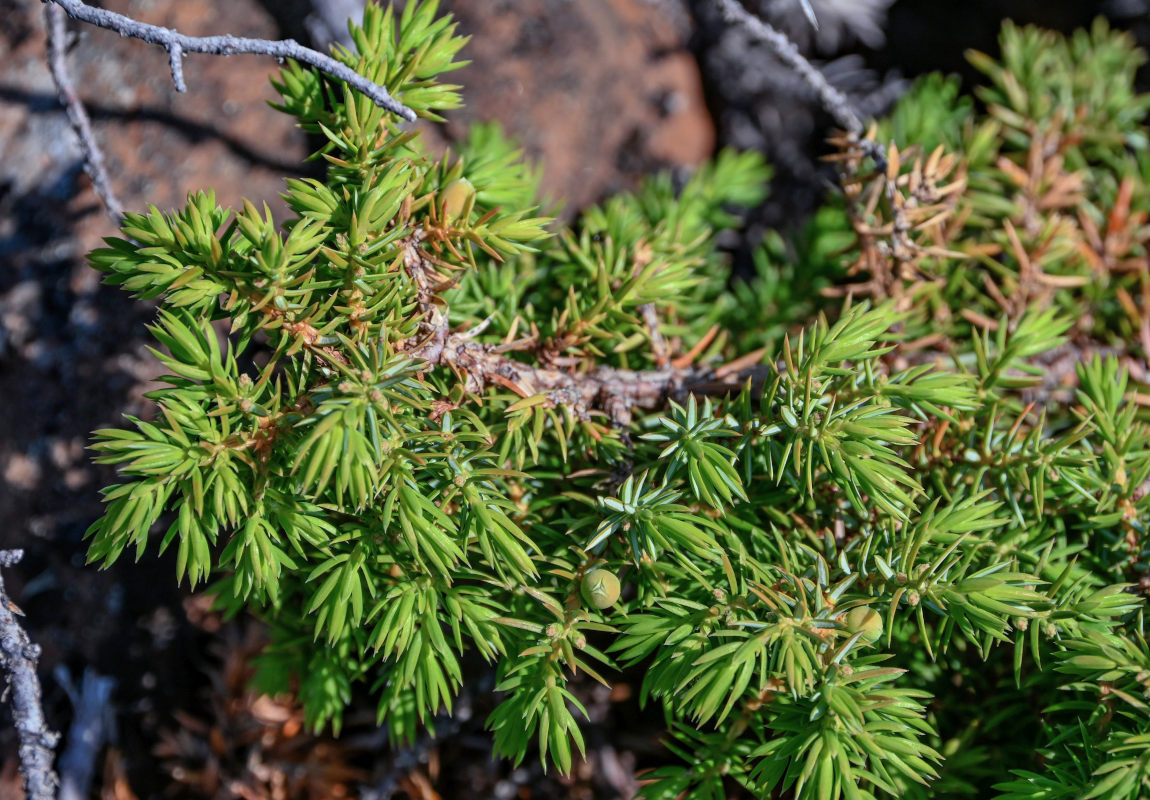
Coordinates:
866 620
457 199
600 588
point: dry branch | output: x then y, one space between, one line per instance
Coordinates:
87 734
18 658
837 104
177 45
77 115
616 392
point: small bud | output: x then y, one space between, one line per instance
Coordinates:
345 387
457 199
600 588
866 620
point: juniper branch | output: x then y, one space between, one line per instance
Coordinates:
18 658
177 45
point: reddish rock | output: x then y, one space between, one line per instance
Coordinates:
598 92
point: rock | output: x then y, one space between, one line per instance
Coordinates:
599 92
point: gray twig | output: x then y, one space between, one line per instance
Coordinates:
837 104
178 44
18 658
77 115
87 734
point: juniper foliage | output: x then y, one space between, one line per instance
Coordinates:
892 547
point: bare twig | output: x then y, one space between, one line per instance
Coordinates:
93 156
835 102
178 44
87 734
658 343
18 658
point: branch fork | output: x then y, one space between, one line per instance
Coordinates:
178 45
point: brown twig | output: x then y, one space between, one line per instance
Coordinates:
615 392
77 115
658 343
177 45
18 658
894 238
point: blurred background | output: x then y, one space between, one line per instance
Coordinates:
599 93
